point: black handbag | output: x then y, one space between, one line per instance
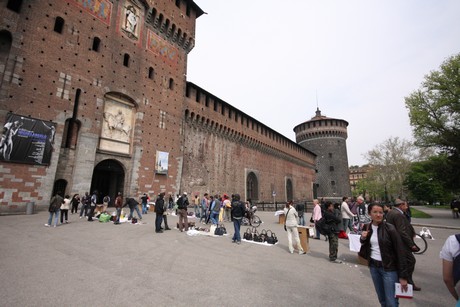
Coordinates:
263 235
271 237
220 230
248 235
311 219
256 236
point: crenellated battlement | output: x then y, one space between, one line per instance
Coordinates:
209 112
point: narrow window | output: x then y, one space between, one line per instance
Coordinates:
58 25
206 101
126 60
330 155
188 9
332 182
151 73
96 44
171 83
5 46
14 5
162 123
331 168
198 96
215 106
178 3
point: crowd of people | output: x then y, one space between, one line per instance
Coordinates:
386 233
386 236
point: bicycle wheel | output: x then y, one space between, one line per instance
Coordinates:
245 221
256 221
421 243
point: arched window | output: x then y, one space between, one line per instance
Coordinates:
126 60
96 44
14 5
58 25
289 191
72 125
171 83
151 73
252 187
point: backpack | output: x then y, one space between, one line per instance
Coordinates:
324 227
180 203
456 267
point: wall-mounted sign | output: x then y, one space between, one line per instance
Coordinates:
161 163
27 140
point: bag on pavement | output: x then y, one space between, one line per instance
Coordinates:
426 233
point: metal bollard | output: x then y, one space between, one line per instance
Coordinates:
30 208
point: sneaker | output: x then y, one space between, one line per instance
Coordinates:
238 242
46 225
336 261
55 226
233 241
292 252
302 253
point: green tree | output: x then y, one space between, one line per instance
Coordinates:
390 161
434 112
434 109
424 184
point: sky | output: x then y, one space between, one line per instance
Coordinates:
356 60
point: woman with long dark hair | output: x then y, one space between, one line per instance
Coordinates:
382 246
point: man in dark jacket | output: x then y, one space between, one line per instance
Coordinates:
238 210
333 221
159 210
398 218
182 204
133 205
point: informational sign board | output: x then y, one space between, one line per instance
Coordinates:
27 140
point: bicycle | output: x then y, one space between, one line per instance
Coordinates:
422 244
250 219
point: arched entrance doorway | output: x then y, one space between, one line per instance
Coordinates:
252 187
108 179
60 186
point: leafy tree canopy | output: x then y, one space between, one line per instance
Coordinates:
434 109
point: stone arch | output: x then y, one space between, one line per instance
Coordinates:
108 179
60 186
252 187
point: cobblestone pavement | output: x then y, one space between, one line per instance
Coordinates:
102 264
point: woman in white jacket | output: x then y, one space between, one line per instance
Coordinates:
347 215
291 227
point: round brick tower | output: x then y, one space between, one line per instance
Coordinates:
326 137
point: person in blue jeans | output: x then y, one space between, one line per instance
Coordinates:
144 201
382 246
54 209
238 210
204 207
133 205
215 209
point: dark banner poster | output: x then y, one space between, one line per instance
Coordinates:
27 140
